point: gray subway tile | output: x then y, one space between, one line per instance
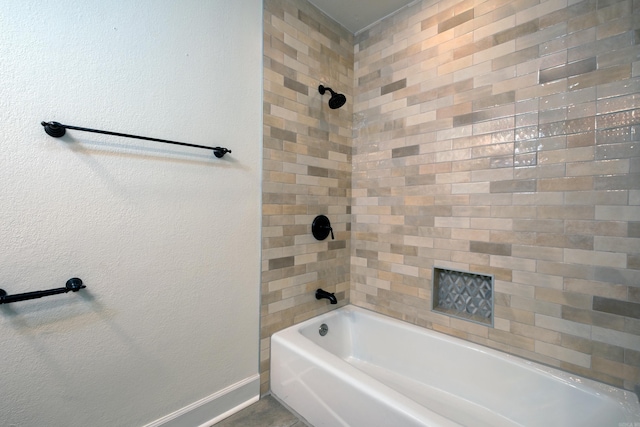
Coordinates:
617 275
392 87
513 186
411 150
286 135
456 20
277 263
622 308
573 69
297 86
490 248
515 32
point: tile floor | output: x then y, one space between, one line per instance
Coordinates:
267 412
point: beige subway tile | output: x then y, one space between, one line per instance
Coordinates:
456 177
513 186
566 184
606 259
466 257
470 234
491 223
590 317
470 188
539 225
452 199
473 164
604 167
495 199
616 369
536 306
600 77
513 211
491 175
617 244
538 334
578 271
563 354
511 288
498 273
513 263
617 213
491 126
564 326
617 338
471 211
495 27
453 156
469 327
533 90
514 315
512 340
535 252
579 344
452 222
596 228
571 299
502 324
612 197
514 237
567 212
566 155
546 198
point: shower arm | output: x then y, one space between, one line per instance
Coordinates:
57 130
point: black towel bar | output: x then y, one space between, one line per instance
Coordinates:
57 130
74 285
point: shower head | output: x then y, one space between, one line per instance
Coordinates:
337 99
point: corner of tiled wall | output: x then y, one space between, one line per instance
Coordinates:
307 166
501 137
497 137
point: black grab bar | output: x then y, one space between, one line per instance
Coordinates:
57 130
73 285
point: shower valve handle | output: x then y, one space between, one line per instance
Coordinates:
321 228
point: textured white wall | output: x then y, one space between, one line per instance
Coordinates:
166 238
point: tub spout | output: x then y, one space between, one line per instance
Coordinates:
324 294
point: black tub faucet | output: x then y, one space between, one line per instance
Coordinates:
324 294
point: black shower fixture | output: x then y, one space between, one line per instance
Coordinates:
337 99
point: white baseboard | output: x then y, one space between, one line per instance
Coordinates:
211 409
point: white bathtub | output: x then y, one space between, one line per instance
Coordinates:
370 370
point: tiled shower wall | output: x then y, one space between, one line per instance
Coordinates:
498 137
307 166
503 137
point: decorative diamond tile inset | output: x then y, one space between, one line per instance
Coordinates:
465 295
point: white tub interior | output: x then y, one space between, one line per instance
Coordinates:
371 370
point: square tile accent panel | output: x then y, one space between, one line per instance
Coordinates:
464 295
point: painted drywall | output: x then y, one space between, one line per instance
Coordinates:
166 238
